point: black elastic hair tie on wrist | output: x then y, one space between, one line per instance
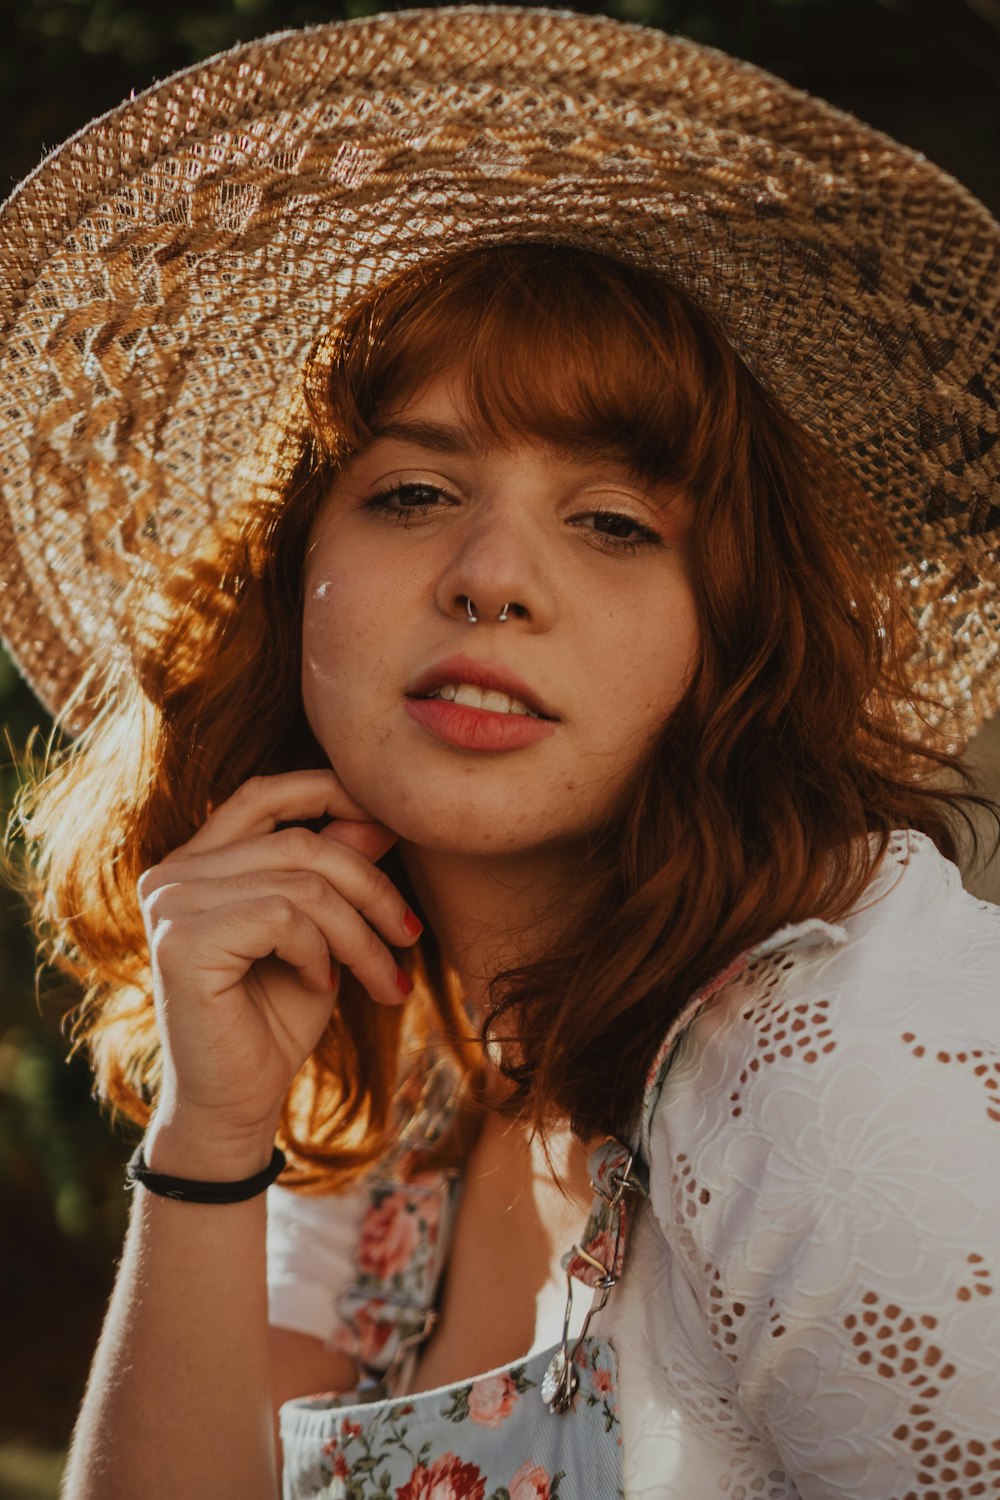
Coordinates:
187 1191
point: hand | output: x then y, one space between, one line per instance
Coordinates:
248 927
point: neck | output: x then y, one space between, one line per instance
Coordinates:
491 913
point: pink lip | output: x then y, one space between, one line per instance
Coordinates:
477 728
478 674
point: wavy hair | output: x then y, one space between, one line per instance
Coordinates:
788 748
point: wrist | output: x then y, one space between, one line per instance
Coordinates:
180 1146
198 1189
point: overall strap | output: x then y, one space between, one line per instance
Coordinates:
389 1308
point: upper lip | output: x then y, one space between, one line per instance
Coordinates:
478 674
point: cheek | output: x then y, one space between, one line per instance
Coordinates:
649 659
346 663
324 621
341 637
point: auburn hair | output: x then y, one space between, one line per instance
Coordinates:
787 750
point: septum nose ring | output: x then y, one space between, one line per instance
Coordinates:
473 617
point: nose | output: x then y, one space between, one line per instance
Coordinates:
497 574
509 605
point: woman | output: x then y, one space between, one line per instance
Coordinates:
553 741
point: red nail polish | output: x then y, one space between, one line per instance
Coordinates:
412 922
403 982
334 978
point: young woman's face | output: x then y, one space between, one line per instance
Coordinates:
599 641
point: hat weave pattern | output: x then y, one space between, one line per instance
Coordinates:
164 274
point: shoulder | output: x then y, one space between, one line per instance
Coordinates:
913 971
847 1059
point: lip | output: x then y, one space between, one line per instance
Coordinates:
478 674
477 728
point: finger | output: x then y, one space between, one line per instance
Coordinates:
261 803
370 839
345 873
230 939
284 922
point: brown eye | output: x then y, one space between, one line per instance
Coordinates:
614 525
402 501
617 532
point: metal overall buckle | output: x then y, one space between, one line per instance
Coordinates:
561 1380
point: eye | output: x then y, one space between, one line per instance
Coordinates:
403 500
617 532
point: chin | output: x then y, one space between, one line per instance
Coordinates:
476 836
464 814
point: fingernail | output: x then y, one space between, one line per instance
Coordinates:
403 982
412 922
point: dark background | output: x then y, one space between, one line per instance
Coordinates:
925 71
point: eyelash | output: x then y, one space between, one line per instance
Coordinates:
381 504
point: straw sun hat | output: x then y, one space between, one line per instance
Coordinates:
164 273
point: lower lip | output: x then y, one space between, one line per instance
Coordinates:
477 728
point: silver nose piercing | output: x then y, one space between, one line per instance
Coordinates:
473 617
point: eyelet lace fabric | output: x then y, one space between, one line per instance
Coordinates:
809 1303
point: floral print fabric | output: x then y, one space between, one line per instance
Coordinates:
399 1260
491 1438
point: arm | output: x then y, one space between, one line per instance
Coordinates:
179 1399
311 1245
248 925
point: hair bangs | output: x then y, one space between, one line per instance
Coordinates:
549 342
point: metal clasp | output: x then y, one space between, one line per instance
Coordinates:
622 1181
561 1379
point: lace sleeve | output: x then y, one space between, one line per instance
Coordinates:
831 1135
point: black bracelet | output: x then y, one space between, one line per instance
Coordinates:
186 1191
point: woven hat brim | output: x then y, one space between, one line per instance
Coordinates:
164 274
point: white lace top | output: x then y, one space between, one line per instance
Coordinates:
811 1303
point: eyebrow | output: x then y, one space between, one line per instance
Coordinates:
437 437
443 437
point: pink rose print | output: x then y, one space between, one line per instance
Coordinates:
446 1479
389 1237
602 1381
349 1429
530 1483
368 1337
492 1401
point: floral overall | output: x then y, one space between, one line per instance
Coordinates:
546 1427
542 1428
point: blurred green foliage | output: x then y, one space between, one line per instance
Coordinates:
927 71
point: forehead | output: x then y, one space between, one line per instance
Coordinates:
441 419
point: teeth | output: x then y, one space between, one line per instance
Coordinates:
488 698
